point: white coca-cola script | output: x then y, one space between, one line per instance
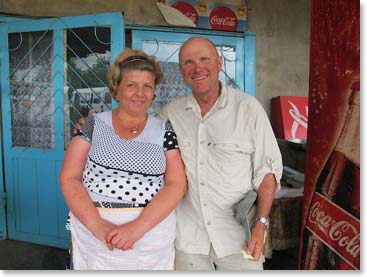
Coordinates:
342 232
298 118
224 21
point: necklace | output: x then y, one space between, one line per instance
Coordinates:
133 130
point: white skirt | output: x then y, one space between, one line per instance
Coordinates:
154 251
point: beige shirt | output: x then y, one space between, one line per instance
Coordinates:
226 153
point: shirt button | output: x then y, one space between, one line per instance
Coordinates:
208 222
202 142
202 183
205 204
201 163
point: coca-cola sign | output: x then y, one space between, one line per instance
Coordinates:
223 18
290 117
188 10
336 228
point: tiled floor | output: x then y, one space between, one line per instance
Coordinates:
29 256
23 255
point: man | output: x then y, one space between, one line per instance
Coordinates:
228 148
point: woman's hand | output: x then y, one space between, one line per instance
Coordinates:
124 236
101 229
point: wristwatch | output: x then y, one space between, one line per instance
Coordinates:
263 220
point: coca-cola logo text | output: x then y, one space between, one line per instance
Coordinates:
223 18
337 233
192 16
338 229
188 10
226 21
344 233
298 118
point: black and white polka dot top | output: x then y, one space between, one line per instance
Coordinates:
129 171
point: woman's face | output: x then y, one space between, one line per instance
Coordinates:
136 91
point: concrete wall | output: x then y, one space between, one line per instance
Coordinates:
282 43
282 30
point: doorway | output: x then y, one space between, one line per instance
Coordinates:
47 64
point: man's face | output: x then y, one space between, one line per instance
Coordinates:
200 66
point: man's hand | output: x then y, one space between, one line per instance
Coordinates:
256 246
265 197
80 123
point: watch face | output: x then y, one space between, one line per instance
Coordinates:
263 220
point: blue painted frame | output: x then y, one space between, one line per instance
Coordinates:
3 231
245 64
26 155
3 224
250 63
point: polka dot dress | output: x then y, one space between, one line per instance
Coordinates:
129 171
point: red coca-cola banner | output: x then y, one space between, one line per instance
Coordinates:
336 228
330 222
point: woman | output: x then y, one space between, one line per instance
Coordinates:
123 176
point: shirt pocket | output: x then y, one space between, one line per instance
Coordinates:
234 161
187 151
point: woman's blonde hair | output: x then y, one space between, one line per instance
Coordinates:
130 59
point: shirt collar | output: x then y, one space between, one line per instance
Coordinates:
190 102
222 100
220 103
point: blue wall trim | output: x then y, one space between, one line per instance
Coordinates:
250 63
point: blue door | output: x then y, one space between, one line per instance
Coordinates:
52 72
237 50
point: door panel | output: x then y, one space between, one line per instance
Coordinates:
31 89
49 63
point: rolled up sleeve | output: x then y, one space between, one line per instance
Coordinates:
266 157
